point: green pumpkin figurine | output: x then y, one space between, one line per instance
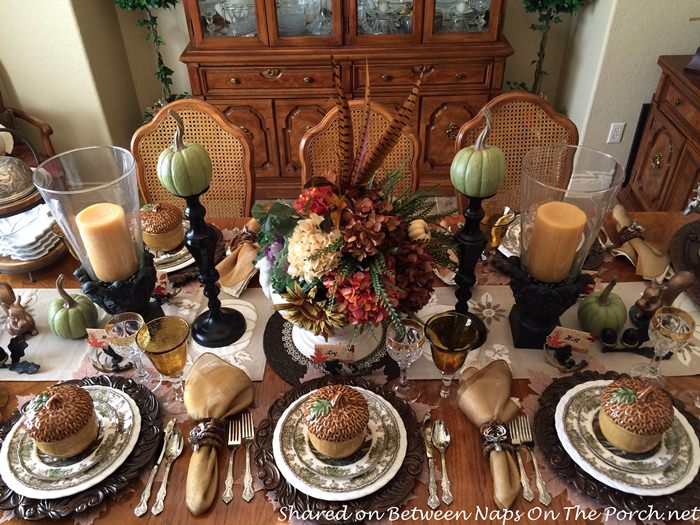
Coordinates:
479 170
601 310
71 316
184 169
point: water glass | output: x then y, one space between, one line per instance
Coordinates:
405 347
121 330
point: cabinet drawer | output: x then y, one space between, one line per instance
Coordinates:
683 106
226 81
386 75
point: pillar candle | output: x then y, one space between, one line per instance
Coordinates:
556 235
107 240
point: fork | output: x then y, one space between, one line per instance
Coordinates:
526 435
234 441
517 440
247 433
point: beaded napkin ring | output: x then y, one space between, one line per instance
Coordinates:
632 231
495 436
208 432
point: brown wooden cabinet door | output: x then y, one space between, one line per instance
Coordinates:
440 120
254 117
311 23
293 118
462 21
654 168
686 178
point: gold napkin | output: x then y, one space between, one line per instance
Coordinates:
483 396
238 268
217 389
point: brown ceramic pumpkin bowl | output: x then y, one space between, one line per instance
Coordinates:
336 417
161 226
634 415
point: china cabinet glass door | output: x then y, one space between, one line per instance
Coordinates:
304 22
385 21
462 20
224 23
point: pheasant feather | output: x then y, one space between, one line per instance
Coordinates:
345 134
364 149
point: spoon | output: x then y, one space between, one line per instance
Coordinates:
441 440
174 449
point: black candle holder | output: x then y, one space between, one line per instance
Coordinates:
218 326
471 243
539 305
130 295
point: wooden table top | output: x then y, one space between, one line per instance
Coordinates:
469 471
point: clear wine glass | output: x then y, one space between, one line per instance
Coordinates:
669 330
208 10
121 330
405 348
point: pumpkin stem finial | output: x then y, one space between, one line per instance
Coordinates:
70 302
178 144
603 297
480 143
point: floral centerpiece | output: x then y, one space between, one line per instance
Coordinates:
357 251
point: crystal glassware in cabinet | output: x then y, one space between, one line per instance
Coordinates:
384 17
461 16
241 18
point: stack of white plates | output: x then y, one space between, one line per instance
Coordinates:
28 236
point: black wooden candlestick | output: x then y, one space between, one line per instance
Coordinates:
218 326
130 295
471 241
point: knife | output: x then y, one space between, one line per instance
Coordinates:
142 507
433 501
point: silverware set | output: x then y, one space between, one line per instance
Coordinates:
240 431
521 434
173 443
437 435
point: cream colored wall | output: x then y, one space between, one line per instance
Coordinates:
612 63
526 43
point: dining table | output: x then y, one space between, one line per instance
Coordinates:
469 471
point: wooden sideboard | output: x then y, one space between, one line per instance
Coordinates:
667 167
276 87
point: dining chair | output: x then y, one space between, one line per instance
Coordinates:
318 149
8 119
521 122
232 189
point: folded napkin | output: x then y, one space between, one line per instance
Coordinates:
484 396
214 389
649 261
238 268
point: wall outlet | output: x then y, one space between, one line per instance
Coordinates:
616 131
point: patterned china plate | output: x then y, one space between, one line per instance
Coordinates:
328 486
29 474
668 469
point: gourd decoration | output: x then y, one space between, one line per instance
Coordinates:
185 168
71 316
601 310
418 230
479 170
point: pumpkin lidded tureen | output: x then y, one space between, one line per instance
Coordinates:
634 414
336 417
162 226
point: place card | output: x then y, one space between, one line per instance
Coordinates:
334 352
579 340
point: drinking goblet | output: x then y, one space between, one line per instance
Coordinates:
121 330
164 341
669 330
405 348
452 335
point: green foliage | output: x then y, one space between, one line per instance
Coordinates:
332 247
276 222
625 395
377 270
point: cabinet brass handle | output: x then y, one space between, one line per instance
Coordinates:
308 80
235 81
247 132
678 102
271 73
656 161
386 78
451 131
459 76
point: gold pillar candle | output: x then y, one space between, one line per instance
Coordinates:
107 240
556 235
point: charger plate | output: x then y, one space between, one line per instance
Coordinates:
393 494
568 470
144 450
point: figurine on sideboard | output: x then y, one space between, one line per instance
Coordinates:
655 296
18 321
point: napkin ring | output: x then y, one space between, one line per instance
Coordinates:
632 231
494 436
208 432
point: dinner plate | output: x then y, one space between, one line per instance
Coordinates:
26 228
34 252
32 474
328 486
667 469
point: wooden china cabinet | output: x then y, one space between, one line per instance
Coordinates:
266 65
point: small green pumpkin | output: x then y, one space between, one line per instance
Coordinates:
71 316
184 169
479 170
601 310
